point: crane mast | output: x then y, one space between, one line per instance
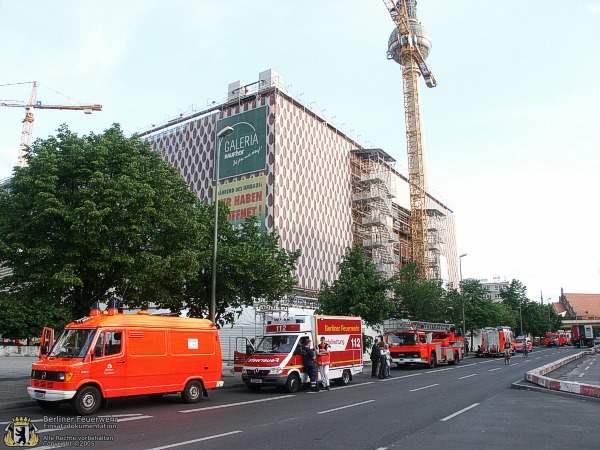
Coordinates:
30 108
409 46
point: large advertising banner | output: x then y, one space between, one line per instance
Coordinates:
244 150
245 198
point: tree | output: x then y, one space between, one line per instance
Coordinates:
417 298
250 266
359 291
514 297
95 216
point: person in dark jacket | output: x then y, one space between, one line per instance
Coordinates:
250 346
310 367
374 358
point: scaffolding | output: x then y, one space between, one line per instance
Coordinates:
436 239
373 210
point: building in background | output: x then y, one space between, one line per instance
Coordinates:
319 188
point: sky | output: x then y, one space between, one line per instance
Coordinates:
512 130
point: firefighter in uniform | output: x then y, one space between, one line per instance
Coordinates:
324 358
310 368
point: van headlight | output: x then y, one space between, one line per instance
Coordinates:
244 371
275 371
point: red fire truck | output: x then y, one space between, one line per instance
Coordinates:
556 339
493 340
277 360
425 343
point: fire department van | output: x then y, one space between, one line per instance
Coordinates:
277 360
423 343
110 355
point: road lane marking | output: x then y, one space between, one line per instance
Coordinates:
440 370
459 412
424 387
497 368
344 407
468 376
403 376
349 386
486 362
229 405
127 419
193 441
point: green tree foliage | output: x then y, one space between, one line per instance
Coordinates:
359 291
101 215
24 318
250 266
93 214
419 299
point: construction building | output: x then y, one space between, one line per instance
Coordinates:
319 188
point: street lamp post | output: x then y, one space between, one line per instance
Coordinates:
521 314
213 298
464 328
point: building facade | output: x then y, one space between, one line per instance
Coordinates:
320 189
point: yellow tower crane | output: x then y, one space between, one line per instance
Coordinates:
30 107
409 46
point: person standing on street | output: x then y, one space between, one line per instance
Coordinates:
309 362
324 358
374 358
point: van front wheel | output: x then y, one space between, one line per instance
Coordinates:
87 400
192 392
293 383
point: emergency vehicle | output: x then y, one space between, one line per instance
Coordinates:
109 355
425 343
556 339
583 335
277 360
493 340
522 342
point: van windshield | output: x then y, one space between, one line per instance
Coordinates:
277 344
73 344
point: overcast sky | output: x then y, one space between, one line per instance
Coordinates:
512 131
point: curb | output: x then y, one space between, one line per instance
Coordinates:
537 377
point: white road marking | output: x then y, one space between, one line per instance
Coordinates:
497 368
127 419
348 386
236 404
486 362
424 387
468 376
403 376
344 407
193 441
459 412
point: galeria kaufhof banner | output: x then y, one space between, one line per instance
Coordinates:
245 198
244 150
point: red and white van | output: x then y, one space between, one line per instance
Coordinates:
277 360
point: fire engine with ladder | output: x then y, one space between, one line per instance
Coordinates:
424 343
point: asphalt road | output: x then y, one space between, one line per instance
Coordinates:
470 405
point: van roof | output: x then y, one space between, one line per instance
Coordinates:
141 321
